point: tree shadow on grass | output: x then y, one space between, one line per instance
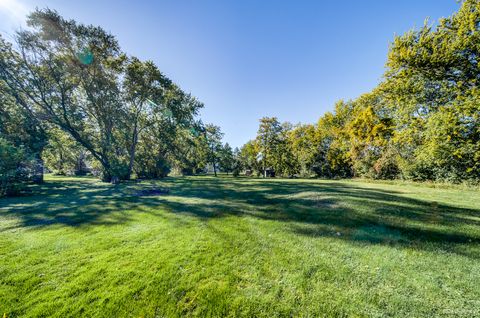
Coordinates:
340 210
316 209
70 203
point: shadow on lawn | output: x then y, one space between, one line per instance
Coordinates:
326 209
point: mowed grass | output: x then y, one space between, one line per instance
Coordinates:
240 247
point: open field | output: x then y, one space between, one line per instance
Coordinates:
240 247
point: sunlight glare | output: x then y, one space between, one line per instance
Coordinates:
13 12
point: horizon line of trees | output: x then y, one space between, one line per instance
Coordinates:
422 122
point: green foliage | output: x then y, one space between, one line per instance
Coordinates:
333 156
12 170
227 159
64 156
271 149
249 157
71 96
421 123
304 146
237 162
26 135
387 166
269 142
370 136
432 87
65 76
214 147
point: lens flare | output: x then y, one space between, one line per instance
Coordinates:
12 12
85 56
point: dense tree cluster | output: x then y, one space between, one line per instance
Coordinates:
421 123
70 98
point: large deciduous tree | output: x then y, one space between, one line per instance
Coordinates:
213 137
432 87
75 77
67 74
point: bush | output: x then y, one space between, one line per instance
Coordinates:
13 169
153 170
386 167
417 171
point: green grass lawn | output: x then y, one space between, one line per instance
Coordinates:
240 247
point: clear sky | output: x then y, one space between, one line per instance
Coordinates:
246 59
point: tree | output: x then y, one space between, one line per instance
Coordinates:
173 139
432 87
21 130
12 175
332 156
226 159
249 157
67 74
304 145
422 122
370 134
64 156
145 88
75 77
237 162
213 137
268 138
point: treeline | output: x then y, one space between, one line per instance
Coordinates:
72 101
422 122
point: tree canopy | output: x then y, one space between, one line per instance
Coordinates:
70 95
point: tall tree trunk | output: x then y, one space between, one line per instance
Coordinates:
265 166
132 151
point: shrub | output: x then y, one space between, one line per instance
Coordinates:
386 167
13 168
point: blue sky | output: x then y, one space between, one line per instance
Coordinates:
247 59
